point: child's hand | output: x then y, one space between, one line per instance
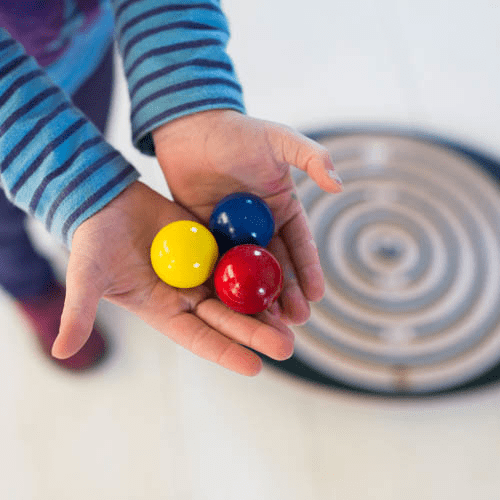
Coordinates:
110 258
208 155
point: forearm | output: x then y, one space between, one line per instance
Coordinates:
54 164
175 62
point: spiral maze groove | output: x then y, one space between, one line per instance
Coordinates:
411 255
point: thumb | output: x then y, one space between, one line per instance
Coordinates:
307 155
79 313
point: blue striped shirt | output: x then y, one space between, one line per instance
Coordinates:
54 164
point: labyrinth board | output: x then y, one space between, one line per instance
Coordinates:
411 256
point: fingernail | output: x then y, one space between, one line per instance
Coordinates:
335 177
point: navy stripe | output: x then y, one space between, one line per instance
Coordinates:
18 84
203 63
172 48
185 107
75 183
123 7
167 27
95 198
163 9
4 127
12 65
28 138
44 153
7 43
35 200
200 82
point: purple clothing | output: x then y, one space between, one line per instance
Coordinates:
23 272
45 27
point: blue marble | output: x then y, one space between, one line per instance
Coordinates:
239 219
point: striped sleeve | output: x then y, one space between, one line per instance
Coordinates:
175 62
54 164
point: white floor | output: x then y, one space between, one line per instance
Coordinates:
157 422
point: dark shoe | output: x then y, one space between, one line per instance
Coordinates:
44 314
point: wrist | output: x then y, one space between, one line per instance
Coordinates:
191 124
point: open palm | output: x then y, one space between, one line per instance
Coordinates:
208 155
110 259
